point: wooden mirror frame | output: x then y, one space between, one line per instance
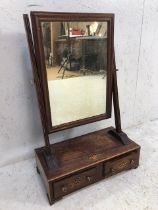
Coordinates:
37 18
40 90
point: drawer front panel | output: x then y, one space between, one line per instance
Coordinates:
77 181
121 163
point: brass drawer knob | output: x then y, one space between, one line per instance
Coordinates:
64 189
89 178
113 171
132 163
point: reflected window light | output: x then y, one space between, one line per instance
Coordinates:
93 27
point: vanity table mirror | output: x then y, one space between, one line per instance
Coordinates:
75 56
74 70
75 62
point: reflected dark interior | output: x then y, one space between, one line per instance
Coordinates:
75 48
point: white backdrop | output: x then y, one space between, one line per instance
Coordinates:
136 44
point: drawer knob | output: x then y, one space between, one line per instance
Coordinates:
64 189
132 163
113 171
89 178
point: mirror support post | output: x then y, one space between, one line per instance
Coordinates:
47 150
36 78
118 133
116 98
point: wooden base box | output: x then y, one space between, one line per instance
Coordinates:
84 160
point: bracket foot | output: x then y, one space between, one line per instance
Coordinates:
121 136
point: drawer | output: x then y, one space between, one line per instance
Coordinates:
75 182
121 163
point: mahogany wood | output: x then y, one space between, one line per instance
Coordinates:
37 18
75 163
84 160
116 100
48 151
39 90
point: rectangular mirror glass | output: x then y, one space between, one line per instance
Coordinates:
76 66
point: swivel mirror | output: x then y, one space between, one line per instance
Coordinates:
74 71
75 55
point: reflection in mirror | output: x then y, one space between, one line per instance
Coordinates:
76 65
